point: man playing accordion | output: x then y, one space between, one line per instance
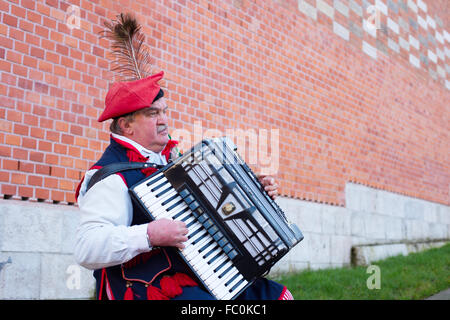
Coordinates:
133 258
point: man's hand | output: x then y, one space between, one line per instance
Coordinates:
269 185
167 233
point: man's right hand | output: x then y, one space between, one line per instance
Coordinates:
167 233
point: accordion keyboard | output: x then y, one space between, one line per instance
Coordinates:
210 258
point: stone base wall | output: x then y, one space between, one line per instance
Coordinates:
376 223
36 239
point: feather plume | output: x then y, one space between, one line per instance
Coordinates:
131 57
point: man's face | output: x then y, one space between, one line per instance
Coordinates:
150 126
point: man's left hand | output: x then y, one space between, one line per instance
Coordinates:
269 185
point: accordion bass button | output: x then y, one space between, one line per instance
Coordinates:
232 254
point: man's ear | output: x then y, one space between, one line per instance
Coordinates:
125 127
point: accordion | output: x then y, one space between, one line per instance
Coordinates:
236 231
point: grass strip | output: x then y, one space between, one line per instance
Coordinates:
415 276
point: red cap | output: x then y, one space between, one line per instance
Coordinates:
128 96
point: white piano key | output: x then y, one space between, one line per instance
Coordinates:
192 251
188 220
143 187
196 236
150 200
209 265
236 290
153 206
234 281
210 270
163 209
200 258
194 227
219 288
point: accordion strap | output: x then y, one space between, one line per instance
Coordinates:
118 167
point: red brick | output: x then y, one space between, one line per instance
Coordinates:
10 20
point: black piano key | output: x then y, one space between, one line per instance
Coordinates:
236 285
155 180
163 192
160 186
215 257
231 280
210 251
169 199
205 246
174 205
220 266
200 238
224 272
194 233
190 223
175 216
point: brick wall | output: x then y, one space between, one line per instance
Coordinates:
350 103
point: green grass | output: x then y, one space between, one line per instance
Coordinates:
416 276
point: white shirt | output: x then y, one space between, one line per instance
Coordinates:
104 236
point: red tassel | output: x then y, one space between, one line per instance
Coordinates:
170 287
128 293
154 293
184 280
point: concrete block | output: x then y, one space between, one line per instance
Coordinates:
358 228
33 227
414 230
414 209
340 250
365 255
336 220
392 6
320 248
443 214
62 278
394 46
437 231
310 217
430 212
70 220
342 221
375 227
394 229
19 275
368 199
301 253
352 199
328 220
